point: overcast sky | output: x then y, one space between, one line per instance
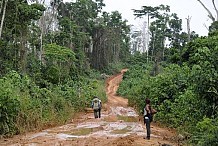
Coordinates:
183 8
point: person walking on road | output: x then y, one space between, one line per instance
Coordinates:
96 106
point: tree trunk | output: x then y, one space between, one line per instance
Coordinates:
3 17
42 25
188 28
152 50
23 52
148 33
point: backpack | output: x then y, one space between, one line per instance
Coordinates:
147 115
96 104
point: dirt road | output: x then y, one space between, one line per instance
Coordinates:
118 126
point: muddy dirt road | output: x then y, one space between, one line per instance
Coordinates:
118 126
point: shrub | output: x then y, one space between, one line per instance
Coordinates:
24 106
206 132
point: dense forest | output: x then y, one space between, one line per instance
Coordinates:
51 59
53 56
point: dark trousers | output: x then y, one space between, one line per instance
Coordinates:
97 113
148 127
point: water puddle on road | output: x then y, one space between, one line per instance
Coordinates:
41 134
65 136
125 124
123 111
113 129
97 129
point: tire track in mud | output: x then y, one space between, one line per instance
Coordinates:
118 126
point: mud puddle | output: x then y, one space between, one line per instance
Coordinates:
123 125
120 127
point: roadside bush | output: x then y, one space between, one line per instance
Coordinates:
114 68
206 132
133 85
9 108
26 107
173 93
183 112
9 103
167 86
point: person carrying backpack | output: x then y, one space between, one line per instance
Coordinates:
148 116
96 106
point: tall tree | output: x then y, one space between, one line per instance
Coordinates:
210 14
188 28
109 40
163 26
19 17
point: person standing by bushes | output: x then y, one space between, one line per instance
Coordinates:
148 116
96 106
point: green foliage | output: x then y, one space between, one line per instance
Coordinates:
172 93
200 55
25 106
9 104
114 68
183 112
206 132
59 63
133 87
213 29
164 25
137 59
59 54
29 12
183 94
